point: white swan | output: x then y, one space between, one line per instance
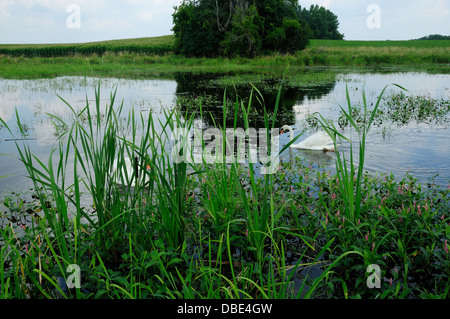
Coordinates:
130 172
319 141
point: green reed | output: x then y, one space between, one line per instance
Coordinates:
351 175
172 176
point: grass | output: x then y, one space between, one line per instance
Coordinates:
215 230
152 57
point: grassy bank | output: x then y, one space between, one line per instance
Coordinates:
216 230
152 57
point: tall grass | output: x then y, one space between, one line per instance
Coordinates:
350 176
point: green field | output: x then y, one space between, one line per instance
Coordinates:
153 57
380 44
154 45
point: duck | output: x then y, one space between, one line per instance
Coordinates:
319 141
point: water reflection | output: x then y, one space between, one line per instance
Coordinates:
194 85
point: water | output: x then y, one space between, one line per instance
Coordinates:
35 99
421 149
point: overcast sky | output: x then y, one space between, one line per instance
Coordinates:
70 21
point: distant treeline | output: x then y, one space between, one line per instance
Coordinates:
68 50
436 37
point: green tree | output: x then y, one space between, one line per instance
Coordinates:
322 23
295 36
247 27
276 13
196 29
244 38
436 37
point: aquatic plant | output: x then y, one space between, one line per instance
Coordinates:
351 177
401 109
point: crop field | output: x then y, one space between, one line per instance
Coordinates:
154 45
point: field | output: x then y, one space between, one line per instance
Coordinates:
155 45
152 57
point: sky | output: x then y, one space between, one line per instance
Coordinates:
74 21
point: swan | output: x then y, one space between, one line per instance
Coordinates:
319 141
129 171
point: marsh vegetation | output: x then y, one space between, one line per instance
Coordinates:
220 230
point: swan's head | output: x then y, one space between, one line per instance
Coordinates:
285 128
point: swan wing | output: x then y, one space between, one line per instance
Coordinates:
317 141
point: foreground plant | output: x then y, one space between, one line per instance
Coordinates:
351 177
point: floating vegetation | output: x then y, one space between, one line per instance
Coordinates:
401 108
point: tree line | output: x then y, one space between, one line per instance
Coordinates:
249 27
435 37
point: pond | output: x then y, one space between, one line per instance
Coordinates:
421 148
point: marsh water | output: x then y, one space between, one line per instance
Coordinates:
419 148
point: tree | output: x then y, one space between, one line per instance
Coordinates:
435 37
244 38
248 27
295 36
279 16
197 28
322 23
